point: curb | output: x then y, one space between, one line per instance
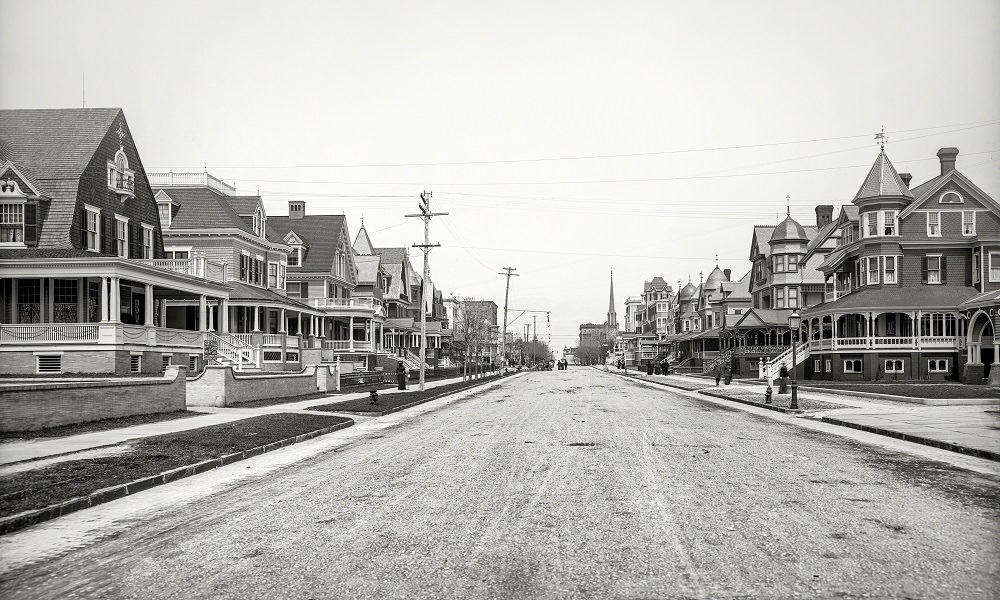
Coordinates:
916 439
788 411
28 518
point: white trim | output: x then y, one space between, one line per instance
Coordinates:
961 200
989 265
48 352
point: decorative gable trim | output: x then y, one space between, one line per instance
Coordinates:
292 239
933 193
9 166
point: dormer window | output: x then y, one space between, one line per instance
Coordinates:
121 179
258 223
295 257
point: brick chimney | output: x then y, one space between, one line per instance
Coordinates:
824 215
296 209
727 273
906 177
947 157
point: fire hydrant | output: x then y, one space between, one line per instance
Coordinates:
767 395
373 394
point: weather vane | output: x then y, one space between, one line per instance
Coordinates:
788 205
882 138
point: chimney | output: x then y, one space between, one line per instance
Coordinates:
906 177
947 157
727 273
824 214
296 209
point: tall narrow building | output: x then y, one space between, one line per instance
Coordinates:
612 317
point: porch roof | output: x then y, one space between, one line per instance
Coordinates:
880 299
400 323
982 301
756 318
242 292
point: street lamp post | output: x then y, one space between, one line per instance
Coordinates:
604 356
793 324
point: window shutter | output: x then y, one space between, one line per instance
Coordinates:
108 237
923 269
944 271
31 224
133 240
83 228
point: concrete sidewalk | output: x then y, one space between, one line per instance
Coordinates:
66 447
968 429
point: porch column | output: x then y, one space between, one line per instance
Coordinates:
996 351
224 315
81 300
834 332
350 335
13 297
256 318
48 300
282 325
148 308
115 316
915 329
871 331
202 309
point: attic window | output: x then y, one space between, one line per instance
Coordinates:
121 179
258 223
295 257
951 198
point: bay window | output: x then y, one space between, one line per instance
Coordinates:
888 222
871 269
889 270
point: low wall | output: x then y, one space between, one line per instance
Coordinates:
30 406
220 386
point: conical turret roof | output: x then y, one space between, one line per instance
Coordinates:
883 180
362 243
715 279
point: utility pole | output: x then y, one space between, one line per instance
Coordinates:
506 296
534 320
425 214
526 326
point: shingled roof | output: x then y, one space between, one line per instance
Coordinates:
883 180
52 148
321 233
362 243
202 208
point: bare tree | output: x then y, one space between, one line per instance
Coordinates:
471 330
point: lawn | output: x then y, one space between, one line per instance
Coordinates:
390 402
777 400
913 390
29 490
92 426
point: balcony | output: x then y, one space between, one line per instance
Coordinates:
356 306
193 267
193 179
886 343
121 181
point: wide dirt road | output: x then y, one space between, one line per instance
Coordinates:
565 484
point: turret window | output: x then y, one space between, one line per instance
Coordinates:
888 222
793 263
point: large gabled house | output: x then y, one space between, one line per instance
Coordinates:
83 273
913 285
204 218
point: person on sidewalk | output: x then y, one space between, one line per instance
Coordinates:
727 373
783 379
717 371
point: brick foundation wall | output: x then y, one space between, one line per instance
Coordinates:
220 386
26 407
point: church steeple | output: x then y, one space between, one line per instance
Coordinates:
612 317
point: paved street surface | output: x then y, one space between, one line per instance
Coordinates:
562 484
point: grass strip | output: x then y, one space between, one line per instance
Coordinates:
152 456
391 402
780 402
913 390
92 426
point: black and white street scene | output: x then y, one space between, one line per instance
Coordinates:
554 300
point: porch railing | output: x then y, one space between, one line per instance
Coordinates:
773 368
195 267
233 350
273 339
49 333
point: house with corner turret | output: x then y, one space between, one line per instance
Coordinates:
912 286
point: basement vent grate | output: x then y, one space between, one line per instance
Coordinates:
192 363
292 357
135 363
272 355
50 363
166 362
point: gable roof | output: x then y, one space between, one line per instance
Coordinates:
393 260
761 235
882 180
244 205
321 233
202 208
55 143
926 190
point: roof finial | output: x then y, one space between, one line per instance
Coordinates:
362 219
716 260
788 206
701 277
881 138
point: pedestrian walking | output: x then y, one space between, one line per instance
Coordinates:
718 374
783 379
401 375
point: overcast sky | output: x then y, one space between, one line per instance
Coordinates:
563 137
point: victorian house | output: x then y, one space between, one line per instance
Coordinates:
84 277
913 284
203 218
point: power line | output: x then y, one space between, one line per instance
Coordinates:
595 156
